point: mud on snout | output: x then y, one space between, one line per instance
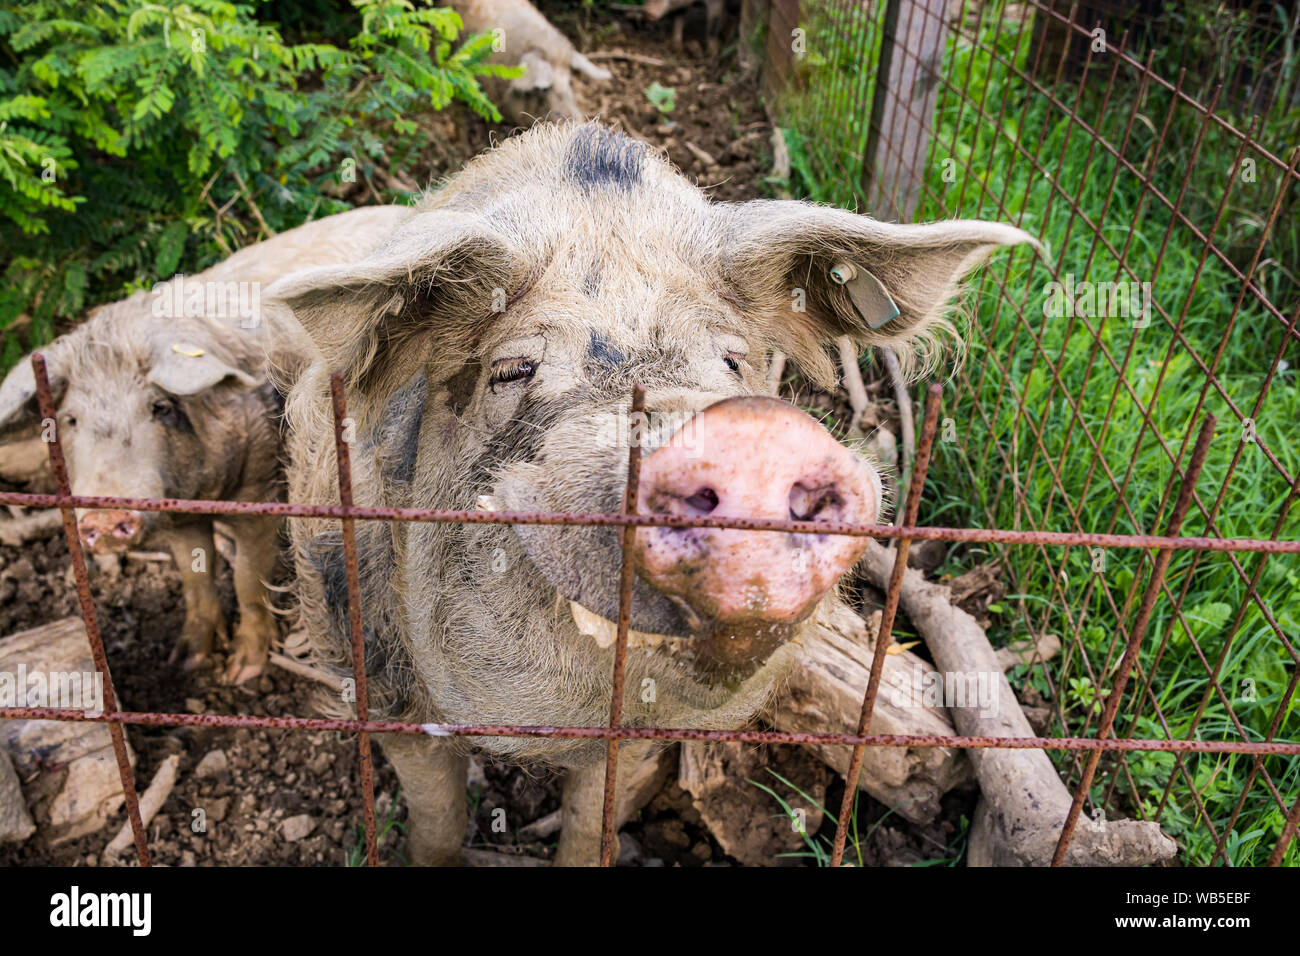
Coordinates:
723 600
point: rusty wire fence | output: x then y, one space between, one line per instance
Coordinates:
1077 448
1153 148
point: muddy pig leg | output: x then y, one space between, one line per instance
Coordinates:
256 550
432 775
195 555
640 777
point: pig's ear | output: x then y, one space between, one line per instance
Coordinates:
828 273
428 292
183 368
18 406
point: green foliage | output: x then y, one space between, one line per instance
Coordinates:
1074 423
356 853
137 138
819 846
1070 423
664 98
826 112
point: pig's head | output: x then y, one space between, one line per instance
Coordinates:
136 398
529 294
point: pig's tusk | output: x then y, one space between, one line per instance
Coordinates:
487 503
605 632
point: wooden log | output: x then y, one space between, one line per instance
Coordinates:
151 801
824 694
68 769
1023 801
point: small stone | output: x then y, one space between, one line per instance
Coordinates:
16 823
20 570
321 762
217 809
629 851
194 706
214 762
296 828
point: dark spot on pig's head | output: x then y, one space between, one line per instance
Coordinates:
599 156
460 387
395 438
523 435
601 352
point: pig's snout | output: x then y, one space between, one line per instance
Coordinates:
751 458
110 530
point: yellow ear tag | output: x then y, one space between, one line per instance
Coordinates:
193 351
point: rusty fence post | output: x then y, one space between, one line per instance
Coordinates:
886 622
49 423
1186 487
627 576
341 440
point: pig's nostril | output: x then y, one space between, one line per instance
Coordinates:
123 529
807 503
703 501
90 536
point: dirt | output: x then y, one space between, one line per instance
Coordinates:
284 798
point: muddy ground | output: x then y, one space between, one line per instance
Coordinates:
281 798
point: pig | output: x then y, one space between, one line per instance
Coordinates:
714 14
163 395
489 348
529 40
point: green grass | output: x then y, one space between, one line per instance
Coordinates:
827 106
1033 453
818 847
356 854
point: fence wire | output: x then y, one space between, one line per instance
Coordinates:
1147 170
900 111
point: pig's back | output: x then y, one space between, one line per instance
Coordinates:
334 240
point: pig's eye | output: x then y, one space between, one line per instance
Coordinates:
70 420
512 370
731 362
163 408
